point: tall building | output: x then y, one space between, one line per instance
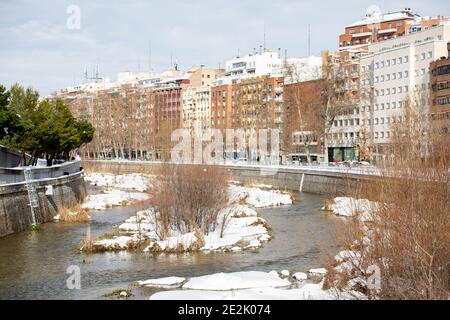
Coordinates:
301 130
396 71
343 67
197 96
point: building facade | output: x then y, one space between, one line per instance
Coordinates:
377 26
439 98
396 72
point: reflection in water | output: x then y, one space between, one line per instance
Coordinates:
33 265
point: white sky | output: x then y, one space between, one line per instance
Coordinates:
38 50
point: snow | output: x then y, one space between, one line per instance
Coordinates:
349 207
167 282
285 273
182 242
118 189
133 181
318 271
300 276
111 198
248 285
257 197
116 243
236 280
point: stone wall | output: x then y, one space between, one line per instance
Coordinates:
15 212
318 181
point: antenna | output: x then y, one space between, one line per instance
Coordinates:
150 55
309 40
264 43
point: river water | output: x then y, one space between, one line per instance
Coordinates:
33 264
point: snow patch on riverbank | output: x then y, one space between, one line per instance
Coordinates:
118 189
247 285
349 207
259 198
112 198
133 181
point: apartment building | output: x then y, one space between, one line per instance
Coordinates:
197 107
439 98
343 68
396 71
377 26
301 130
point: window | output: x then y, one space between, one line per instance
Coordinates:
406 88
394 76
394 91
400 75
382 78
406 59
376 107
388 77
382 106
406 74
394 104
400 60
382 64
422 72
400 89
388 63
430 55
422 56
377 65
394 61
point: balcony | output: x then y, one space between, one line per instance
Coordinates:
361 34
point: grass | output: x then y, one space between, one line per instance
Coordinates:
73 214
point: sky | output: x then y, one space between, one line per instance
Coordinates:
42 45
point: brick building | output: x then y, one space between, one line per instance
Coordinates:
439 97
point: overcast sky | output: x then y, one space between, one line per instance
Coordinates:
38 49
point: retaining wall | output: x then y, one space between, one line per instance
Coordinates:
15 212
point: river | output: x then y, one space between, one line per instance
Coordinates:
33 264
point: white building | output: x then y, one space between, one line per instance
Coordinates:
254 65
396 70
391 72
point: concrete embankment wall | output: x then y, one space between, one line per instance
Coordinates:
307 179
15 211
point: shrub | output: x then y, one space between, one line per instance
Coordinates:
189 197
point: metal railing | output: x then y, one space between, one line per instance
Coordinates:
17 174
